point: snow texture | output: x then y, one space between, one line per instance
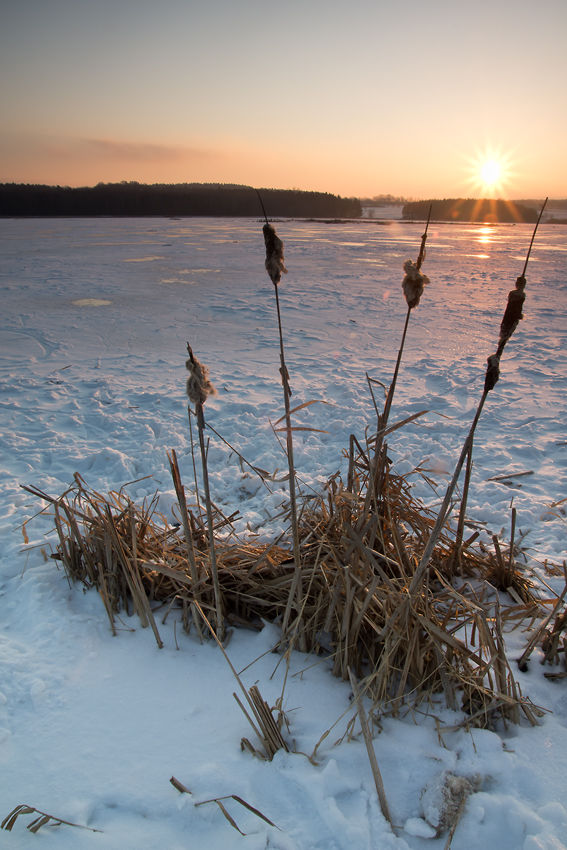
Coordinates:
95 322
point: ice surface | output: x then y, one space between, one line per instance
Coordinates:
96 315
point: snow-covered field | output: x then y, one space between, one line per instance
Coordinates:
95 319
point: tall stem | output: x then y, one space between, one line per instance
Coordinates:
296 583
467 448
444 510
214 570
391 391
180 492
457 557
533 237
375 484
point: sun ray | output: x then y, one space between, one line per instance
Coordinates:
490 172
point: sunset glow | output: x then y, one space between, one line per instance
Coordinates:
316 96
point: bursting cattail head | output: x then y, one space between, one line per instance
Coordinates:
513 313
199 388
492 372
413 283
274 254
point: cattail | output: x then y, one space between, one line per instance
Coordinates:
492 372
199 387
275 267
510 321
513 313
274 254
512 317
413 283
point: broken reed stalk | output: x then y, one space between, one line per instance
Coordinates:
510 321
189 543
42 820
137 579
370 749
536 637
275 267
231 820
199 388
271 739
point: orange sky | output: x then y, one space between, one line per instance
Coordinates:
360 98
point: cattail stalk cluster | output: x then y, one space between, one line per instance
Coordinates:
512 316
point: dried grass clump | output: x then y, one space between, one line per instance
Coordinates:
357 566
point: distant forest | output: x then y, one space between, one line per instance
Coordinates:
385 201
469 209
552 204
179 199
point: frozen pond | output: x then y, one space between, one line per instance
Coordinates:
96 315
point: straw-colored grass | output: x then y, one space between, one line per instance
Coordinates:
357 567
43 820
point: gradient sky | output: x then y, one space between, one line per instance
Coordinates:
357 97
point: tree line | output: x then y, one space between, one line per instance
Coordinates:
178 199
552 204
470 209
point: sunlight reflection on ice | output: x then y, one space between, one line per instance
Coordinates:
143 259
91 302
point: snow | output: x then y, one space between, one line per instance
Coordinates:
96 317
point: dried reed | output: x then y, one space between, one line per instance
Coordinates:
356 578
512 316
412 285
275 267
370 749
36 824
270 735
199 388
230 819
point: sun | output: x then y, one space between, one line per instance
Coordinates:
490 172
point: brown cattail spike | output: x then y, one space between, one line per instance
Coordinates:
413 283
492 372
199 387
274 254
513 313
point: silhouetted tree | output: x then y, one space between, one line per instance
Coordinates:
177 199
470 209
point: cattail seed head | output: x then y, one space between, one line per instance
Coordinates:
274 254
199 387
513 313
413 283
492 372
